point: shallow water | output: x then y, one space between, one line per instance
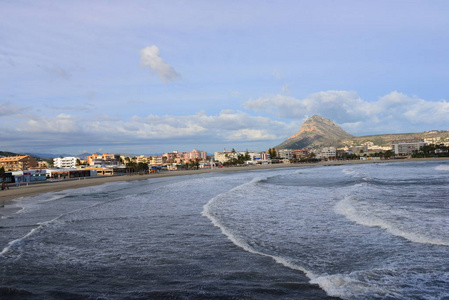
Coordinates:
376 231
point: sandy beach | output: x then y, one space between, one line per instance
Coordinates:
14 192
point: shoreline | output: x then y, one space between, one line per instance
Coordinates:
7 197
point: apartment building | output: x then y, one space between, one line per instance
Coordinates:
65 162
104 159
157 160
406 146
195 155
285 153
18 163
300 154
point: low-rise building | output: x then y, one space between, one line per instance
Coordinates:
69 173
29 175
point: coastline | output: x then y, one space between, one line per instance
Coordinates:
7 197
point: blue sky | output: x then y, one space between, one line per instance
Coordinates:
148 77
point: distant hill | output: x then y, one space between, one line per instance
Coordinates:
36 156
317 132
6 153
386 139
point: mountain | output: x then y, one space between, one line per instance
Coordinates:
316 132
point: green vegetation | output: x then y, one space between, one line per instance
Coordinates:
239 160
431 150
192 165
273 153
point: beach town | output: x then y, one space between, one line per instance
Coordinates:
23 171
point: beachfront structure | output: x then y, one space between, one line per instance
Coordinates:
285 153
406 146
157 160
18 163
64 162
195 155
170 157
178 157
67 173
254 157
326 152
143 159
104 160
29 175
300 154
225 156
43 164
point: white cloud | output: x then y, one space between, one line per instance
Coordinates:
395 112
66 130
150 57
251 135
62 123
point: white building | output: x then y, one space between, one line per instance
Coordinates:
285 153
406 146
225 156
228 155
65 162
327 152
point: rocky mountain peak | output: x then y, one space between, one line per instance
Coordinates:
316 132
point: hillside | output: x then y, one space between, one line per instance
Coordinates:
317 132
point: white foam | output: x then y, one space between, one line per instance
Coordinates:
349 171
352 286
18 242
442 168
346 208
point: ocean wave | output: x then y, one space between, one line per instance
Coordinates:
208 213
386 283
442 168
365 217
17 243
368 284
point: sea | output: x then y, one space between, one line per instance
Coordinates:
356 231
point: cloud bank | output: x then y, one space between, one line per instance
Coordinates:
276 118
65 130
392 113
150 57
